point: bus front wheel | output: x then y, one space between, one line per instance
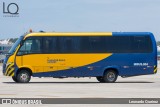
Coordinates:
110 76
23 76
14 79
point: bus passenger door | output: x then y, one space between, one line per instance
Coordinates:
56 56
29 55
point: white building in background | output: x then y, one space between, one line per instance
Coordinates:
158 48
4 48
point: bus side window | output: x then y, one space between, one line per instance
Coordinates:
49 45
141 44
97 44
69 44
138 44
31 45
24 49
35 46
84 45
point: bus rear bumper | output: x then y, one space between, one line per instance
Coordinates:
155 69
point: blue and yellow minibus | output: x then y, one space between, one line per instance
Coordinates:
104 55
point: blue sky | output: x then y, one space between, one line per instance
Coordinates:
82 16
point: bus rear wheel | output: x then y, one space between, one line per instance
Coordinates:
100 79
110 76
23 76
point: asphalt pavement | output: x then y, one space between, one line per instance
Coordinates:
147 86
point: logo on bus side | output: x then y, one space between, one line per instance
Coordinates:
54 60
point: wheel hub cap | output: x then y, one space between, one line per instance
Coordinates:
111 76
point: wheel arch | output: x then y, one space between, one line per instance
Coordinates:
111 68
24 68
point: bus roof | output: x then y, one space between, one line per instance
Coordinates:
88 34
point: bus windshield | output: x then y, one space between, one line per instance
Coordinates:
15 45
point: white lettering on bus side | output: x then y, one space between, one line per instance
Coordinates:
140 64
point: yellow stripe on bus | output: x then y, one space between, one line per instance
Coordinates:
70 34
12 69
12 74
155 70
8 68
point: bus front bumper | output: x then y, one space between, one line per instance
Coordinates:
8 69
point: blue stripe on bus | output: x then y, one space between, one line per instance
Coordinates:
117 61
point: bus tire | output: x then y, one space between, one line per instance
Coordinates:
14 79
100 79
110 76
23 76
